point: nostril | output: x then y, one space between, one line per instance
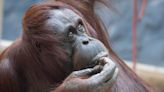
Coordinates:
85 42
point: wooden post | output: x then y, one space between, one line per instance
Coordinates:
134 33
1 15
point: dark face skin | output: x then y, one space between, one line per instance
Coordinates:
81 48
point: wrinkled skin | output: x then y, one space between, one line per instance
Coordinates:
100 82
95 72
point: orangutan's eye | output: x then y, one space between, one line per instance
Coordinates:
80 28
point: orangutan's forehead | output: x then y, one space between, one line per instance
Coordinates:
65 13
60 18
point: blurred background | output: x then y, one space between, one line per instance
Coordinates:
149 32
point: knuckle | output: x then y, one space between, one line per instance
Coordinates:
88 70
75 73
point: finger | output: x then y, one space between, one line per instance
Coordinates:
114 78
110 82
82 73
106 74
109 67
108 64
96 69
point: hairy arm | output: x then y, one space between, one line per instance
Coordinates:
8 81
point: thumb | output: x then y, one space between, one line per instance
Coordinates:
82 73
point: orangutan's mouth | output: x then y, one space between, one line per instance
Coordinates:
99 56
95 60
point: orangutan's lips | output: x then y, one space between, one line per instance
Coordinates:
99 56
95 60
